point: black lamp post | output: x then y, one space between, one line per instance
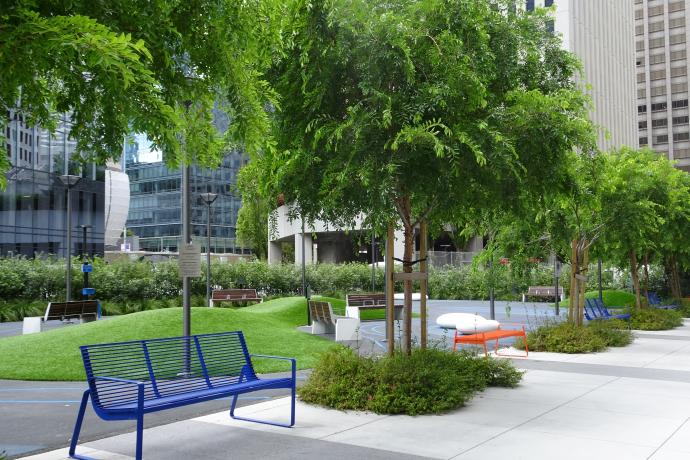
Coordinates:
208 198
69 181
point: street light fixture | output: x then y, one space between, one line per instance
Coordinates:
208 198
69 181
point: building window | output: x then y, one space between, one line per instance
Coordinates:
550 26
642 124
641 93
656 26
640 77
659 123
676 6
679 71
657 43
638 14
661 106
639 45
679 87
643 141
658 90
679 104
548 3
661 139
654 10
529 5
676 22
677 55
642 108
677 137
657 75
681 120
657 58
675 39
639 30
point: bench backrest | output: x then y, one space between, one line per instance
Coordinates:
58 310
592 311
653 298
321 312
544 290
359 300
168 366
224 294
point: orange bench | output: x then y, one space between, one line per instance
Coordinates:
483 337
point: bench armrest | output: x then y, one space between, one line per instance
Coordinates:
293 361
114 379
507 323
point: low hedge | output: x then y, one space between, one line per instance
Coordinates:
429 381
570 338
652 319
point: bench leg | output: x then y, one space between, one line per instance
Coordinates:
266 422
140 435
77 427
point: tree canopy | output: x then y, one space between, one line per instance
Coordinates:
419 111
125 65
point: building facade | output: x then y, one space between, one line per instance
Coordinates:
662 78
600 34
156 204
33 206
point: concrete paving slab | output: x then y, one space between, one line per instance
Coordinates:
523 444
679 441
193 439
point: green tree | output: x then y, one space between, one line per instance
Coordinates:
125 65
638 192
411 111
252 219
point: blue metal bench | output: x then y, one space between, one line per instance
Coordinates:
655 301
129 379
595 309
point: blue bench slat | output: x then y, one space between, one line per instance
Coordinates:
166 402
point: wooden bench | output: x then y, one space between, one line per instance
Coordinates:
129 379
483 337
357 302
234 295
324 321
543 291
85 310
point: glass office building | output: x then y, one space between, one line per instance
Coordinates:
155 203
33 206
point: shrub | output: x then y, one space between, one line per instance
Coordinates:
684 308
428 381
570 338
651 319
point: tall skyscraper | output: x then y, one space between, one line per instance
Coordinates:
600 33
662 78
155 203
33 206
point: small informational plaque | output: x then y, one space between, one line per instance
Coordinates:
190 261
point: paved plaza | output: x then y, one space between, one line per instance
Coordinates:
625 403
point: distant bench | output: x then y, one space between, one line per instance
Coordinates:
234 295
83 310
357 302
324 321
543 291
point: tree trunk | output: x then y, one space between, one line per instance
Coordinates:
646 275
572 309
584 269
673 276
408 230
635 278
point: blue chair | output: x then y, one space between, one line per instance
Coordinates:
655 301
596 310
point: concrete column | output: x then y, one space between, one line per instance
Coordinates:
275 253
308 249
476 244
399 247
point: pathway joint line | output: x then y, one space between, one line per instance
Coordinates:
534 418
667 439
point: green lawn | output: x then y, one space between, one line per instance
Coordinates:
270 328
611 298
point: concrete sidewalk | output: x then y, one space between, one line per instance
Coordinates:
625 403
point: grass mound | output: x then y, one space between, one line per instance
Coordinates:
270 328
651 319
612 298
427 382
570 338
